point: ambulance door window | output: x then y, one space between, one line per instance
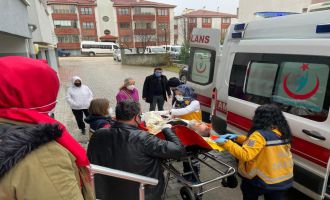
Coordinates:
301 89
201 67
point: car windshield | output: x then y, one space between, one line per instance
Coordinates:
176 49
158 50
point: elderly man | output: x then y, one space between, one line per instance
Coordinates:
126 147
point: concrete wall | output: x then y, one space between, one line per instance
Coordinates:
144 59
14 18
13 45
247 8
172 22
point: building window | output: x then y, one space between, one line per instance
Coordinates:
87 38
64 9
206 20
105 18
88 25
65 23
107 32
143 25
144 11
86 11
225 20
162 26
68 39
126 38
161 39
224 31
123 11
124 25
162 12
192 20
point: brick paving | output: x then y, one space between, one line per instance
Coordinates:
104 77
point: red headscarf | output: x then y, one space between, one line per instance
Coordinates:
28 91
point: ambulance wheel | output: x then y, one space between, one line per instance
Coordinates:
187 193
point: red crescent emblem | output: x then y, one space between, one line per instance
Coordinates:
200 71
300 96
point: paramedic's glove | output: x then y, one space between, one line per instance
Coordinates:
166 126
221 140
230 136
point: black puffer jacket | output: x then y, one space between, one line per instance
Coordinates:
125 147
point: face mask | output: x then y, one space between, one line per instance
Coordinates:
131 87
179 97
138 120
77 84
158 74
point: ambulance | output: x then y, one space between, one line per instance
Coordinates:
283 61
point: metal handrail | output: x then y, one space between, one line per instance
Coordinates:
143 180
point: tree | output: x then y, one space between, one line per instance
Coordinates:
185 52
145 37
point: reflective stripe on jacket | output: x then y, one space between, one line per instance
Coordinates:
265 159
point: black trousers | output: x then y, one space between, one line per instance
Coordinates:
251 192
159 101
79 115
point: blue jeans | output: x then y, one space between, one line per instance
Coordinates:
159 101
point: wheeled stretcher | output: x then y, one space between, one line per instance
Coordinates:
197 149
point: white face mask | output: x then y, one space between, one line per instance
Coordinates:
131 87
179 97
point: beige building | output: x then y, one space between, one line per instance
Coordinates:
250 10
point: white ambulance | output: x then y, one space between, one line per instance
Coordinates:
284 61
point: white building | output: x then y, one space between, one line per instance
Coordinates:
185 23
106 18
42 36
250 10
15 32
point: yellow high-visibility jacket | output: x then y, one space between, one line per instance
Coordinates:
264 158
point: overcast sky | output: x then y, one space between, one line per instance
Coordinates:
227 6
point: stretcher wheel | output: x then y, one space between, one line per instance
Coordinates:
187 193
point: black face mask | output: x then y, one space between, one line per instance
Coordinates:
77 84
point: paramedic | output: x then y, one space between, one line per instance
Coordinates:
265 160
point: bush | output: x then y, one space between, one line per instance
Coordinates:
185 53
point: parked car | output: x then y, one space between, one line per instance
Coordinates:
117 54
183 74
92 48
154 50
174 50
63 53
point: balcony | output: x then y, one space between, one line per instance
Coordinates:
67 31
144 31
224 25
68 45
90 18
124 18
64 16
125 32
206 25
88 32
148 17
163 18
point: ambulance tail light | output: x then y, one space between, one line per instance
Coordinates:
214 102
240 27
323 28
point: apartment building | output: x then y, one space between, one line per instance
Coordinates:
144 23
15 32
185 23
74 21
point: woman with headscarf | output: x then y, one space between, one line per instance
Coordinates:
39 159
186 106
128 91
79 97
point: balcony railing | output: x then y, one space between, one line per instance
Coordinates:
144 31
143 180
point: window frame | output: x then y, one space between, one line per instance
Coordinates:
243 60
191 60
